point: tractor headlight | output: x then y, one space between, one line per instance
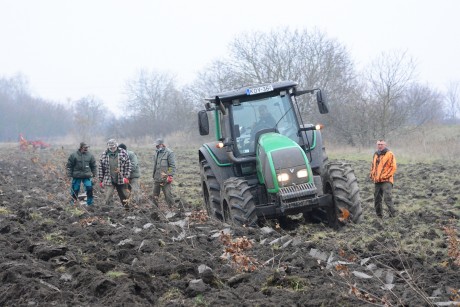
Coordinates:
303 173
283 177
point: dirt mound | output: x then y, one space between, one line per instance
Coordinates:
56 254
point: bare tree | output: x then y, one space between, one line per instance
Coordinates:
147 91
89 116
32 116
308 57
388 78
421 105
453 101
154 100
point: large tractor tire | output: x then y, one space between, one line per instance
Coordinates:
318 215
211 191
238 203
339 180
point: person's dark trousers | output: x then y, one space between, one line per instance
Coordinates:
383 191
121 190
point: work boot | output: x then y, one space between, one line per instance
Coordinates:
89 201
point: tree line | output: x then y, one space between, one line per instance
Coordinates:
382 100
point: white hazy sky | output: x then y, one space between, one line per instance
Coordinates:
71 49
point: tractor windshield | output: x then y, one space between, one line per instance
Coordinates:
269 113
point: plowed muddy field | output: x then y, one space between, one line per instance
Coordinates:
55 254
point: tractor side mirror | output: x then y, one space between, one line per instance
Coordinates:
203 122
321 100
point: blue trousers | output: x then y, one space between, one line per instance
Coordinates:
75 189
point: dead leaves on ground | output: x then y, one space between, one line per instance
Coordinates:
234 251
199 217
453 243
90 221
344 215
364 296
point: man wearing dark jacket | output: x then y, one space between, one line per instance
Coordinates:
81 167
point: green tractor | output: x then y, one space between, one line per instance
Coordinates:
267 163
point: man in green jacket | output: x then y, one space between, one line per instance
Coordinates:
81 167
164 168
133 185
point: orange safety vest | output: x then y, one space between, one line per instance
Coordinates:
383 167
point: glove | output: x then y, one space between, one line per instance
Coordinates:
101 184
125 180
170 179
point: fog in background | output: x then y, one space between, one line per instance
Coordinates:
133 70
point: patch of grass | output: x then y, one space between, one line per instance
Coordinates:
172 294
74 210
318 237
115 274
4 211
60 269
48 221
55 237
85 259
199 301
174 276
36 216
293 283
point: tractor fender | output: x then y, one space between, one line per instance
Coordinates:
218 160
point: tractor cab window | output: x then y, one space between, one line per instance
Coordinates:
269 113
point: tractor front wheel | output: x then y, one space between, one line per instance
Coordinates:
238 203
211 191
339 180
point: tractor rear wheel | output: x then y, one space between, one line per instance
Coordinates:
211 191
238 203
339 180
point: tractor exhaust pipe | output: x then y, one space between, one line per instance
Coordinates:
234 159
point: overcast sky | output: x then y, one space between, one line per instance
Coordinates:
71 49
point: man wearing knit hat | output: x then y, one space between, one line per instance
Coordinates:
114 171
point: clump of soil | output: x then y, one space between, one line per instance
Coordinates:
56 254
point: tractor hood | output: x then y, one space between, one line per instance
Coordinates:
281 162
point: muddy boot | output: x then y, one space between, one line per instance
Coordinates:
126 206
155 216
89 201
392 212
155 201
